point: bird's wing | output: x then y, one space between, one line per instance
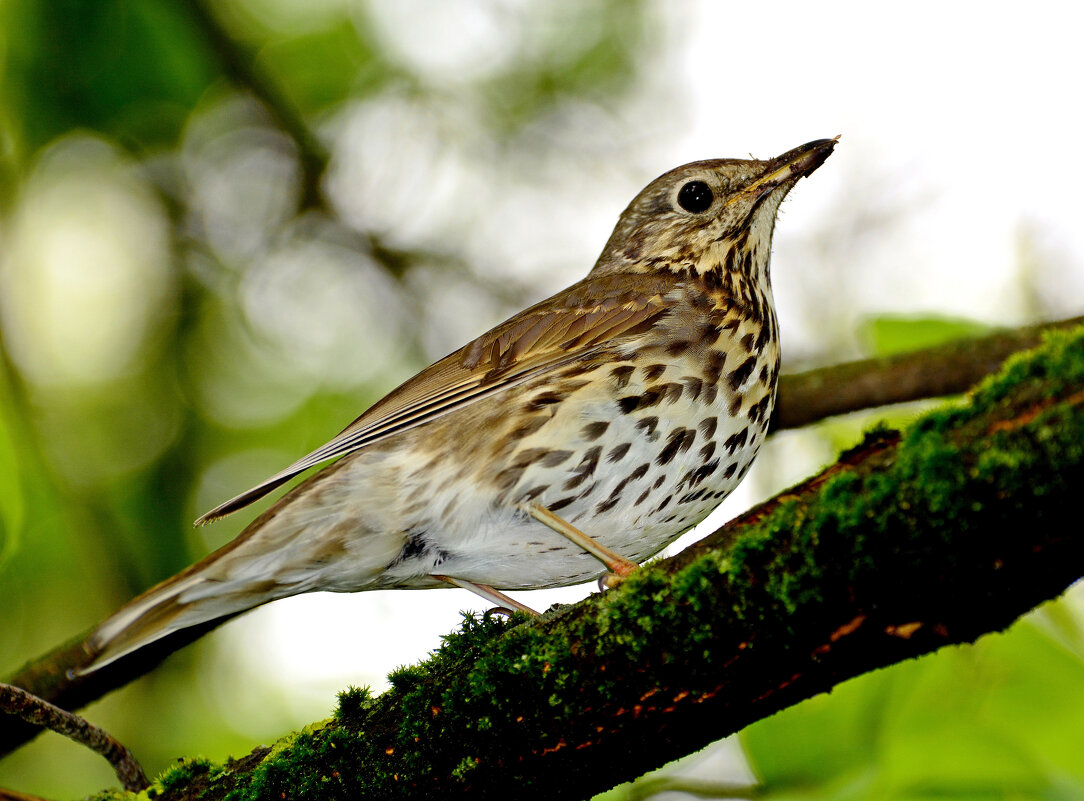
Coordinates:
576 324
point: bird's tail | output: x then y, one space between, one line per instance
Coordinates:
194 596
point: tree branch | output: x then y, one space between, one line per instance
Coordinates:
50 676
948 369
809 589
36 712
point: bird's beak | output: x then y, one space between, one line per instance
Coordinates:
787 169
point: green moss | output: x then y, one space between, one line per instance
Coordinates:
498 686
354 706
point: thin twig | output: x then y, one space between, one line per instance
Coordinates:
38 712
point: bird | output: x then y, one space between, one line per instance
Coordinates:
569 443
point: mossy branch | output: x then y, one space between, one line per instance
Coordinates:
934 371
909 543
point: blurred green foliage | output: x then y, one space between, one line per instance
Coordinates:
163 342
886 335
131 70
1001 719
165 328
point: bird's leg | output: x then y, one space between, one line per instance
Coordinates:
485 591
619 566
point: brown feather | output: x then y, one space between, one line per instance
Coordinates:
595 314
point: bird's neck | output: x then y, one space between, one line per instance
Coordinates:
736 268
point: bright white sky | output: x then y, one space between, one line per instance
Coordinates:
967 116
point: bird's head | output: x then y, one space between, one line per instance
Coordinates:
709 215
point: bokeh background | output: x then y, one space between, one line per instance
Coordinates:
227 227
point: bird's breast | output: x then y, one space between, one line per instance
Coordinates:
633 450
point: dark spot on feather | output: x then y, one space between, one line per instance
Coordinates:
585 468
743 371
575 481
707 451
658 482
618 452
607 504
648 425
736 441
622 374
534 492
710 394
693 386
754 411
527 428
714 367
650 397
695 495
554 458
747 341
759 410
735 405
561 503
702 472
654 371
529 456
590 459
679 441
588 490
628 403
664 504
707 427
542 400
642 498
418 546
620 487
763 337
593 431
730 468
507 478
678 348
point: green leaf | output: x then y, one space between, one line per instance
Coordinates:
887 335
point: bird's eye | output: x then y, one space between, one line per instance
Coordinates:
695 197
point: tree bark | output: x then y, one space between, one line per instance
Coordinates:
803 398
908 543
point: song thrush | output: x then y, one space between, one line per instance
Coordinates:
591 429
